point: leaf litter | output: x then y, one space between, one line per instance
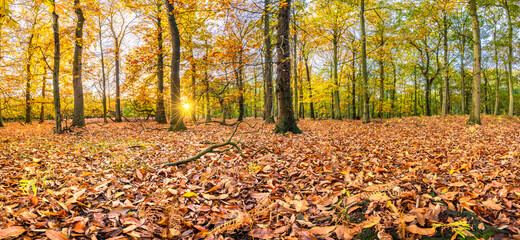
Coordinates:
409 178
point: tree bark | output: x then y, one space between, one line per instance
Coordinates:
354 113
240 85
28 107
366 101
78 118
446 83
336 100
56 71
462 75
42 108
160 116
286 121
268 68
311 102
475 104
509 58
497 72
176 122
295 68
104 80
118 117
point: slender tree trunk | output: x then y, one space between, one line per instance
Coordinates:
302 105
78 118
268 70
295 69
311 101
286 121
240 84
497 73
394 90
104 80
1 117
56 72
415 113
354 114
366 101
206 94
177 121
486 84
428 92
475 106
446 83
160 111
193 87
462 75
509 58
28 108
381 75
42 108
336 99
118 117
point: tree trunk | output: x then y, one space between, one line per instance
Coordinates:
366 101
78 118
42 108
486 84
428 93
509 58
311 102
268 70
160 115
295 69
118 117
445 87
497 72
206 94
286 121
56 72
336 100
354 114
29 79
302 105
394 90
462 75
176 122
240 84
415 113
1 117
104 83
475 105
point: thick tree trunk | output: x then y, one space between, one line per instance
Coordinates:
336 100
509 58
28 107
177 121
160 113
366 101
104 80
56 72
475 104
78 118
268 68
446 84
295 69
286 121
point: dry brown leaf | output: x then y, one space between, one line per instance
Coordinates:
54 235
11 232
492 204
421 231
322 230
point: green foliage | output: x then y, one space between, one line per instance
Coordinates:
28 185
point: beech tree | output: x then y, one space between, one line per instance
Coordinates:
286 121
78 118
474 117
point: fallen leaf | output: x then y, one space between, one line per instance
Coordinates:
54 235
421 231
11 232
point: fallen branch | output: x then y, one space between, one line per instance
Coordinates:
211 149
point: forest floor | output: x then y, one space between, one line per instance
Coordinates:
409 178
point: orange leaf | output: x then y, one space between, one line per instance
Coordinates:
11 232
322 230
421 231
491 203
54 235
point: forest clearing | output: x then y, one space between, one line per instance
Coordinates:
402 178
259 119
